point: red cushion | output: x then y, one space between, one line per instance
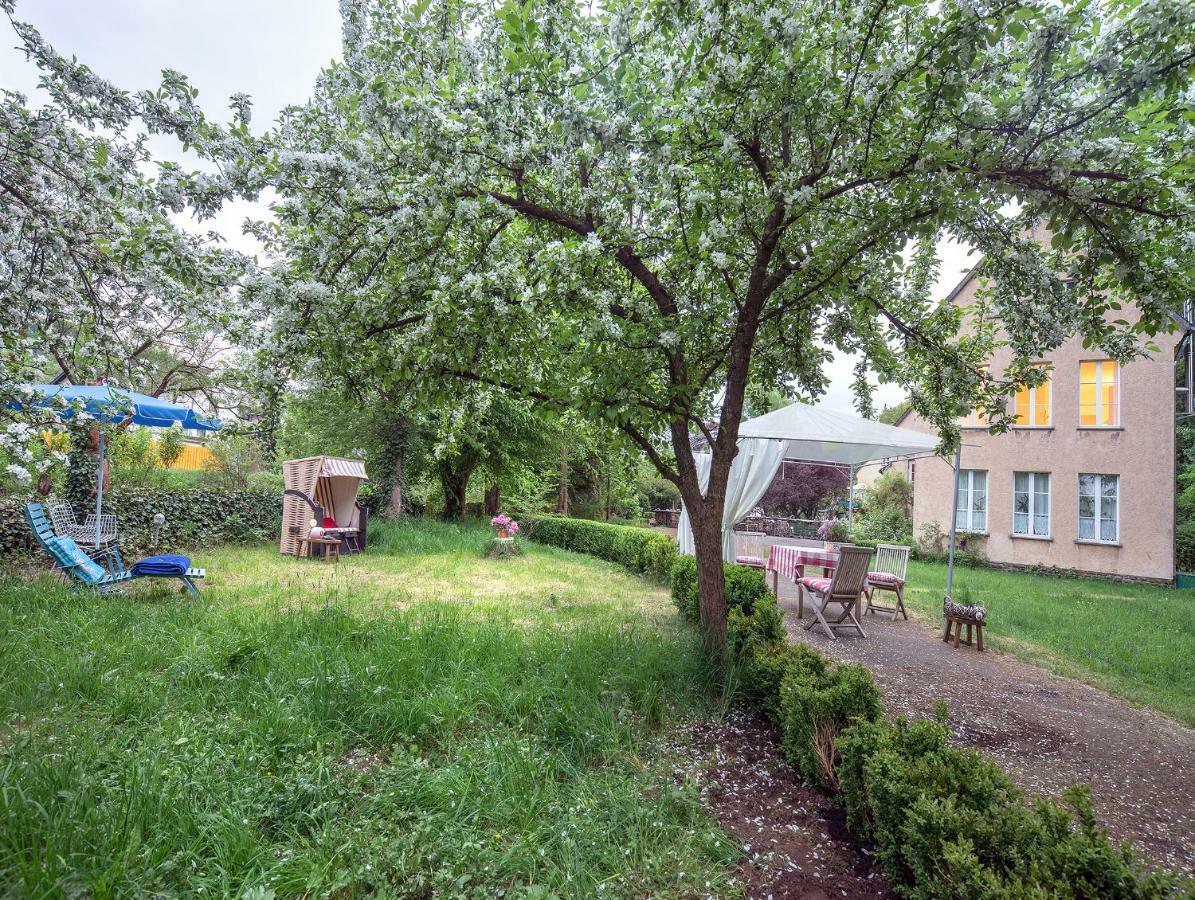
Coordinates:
749 561
329 522
885 579
819 585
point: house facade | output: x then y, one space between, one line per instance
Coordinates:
1084 482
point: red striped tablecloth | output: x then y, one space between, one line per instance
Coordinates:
790 561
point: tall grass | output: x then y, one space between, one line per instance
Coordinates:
1134 640
169 746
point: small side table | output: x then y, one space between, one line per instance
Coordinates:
331 547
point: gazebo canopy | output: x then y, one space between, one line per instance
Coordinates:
823 435
805 433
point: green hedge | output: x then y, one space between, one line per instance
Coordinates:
944 822
641 550
194 518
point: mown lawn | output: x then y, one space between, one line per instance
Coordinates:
1135 640
417 721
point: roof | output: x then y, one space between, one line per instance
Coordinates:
334 466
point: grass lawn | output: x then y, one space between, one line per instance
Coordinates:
414 721
1134 640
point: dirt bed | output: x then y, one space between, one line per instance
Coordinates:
794 837
1048 732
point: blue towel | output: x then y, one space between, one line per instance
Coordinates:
166 564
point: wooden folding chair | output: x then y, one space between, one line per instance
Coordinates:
843 589
889 574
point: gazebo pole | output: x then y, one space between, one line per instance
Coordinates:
99 488
958 455
850 510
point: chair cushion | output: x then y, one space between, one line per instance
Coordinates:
328 522
67 553
814 583
756 561
885 579
165 564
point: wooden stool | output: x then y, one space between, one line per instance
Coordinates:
958 631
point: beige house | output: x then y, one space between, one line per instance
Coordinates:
1084 482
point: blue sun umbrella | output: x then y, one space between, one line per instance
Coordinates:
109 404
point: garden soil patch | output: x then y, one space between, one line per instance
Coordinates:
794 837
1048 732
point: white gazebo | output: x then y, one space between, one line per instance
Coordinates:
803 433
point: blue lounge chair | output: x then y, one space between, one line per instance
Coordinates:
86 572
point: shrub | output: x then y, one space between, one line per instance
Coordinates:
641 550
816 702
194 518
764 625
745 588
762 669
949 822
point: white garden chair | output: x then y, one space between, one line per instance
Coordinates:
749 548
62 517
890 574
844 588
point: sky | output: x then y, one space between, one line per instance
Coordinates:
271 50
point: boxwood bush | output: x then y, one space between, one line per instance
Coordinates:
641 550
944 822
947 822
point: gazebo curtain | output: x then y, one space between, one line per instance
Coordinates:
750 475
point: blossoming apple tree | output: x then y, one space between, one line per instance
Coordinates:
639 210
96 276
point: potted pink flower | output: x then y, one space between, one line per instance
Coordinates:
507 527
833 532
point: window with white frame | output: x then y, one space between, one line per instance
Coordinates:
972 510
1031 405
1031 503
1099 508
1099 393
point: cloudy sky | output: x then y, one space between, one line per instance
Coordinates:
269 49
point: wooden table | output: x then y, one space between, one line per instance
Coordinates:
790 561
331 547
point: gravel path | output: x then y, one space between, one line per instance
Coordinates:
1048 732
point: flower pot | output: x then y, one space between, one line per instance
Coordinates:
503 533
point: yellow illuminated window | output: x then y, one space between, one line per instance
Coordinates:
1032 404
1099 393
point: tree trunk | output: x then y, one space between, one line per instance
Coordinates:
562 503
455 482
706 521
394 501
493 500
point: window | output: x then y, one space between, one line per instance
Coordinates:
1031 503
1099 508
1032 404
972 513
1099 393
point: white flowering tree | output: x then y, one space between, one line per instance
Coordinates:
97 279
639 210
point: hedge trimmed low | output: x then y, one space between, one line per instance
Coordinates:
641 550
944 822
